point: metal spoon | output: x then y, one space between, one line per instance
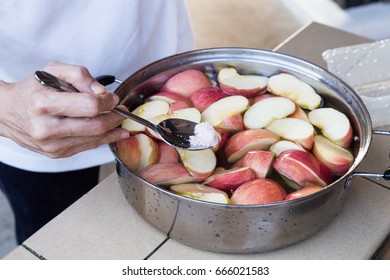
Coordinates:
175 132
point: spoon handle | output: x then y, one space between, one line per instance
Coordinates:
51 81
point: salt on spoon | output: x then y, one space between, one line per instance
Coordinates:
205 136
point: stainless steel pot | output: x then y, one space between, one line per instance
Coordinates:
240 228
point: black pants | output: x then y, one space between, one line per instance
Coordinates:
36 198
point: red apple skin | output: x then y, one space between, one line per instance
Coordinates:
247 140
228 180
244 92
223 136
299 114
163 174
258 191
302 168
303 192
187 82
333 156
260 162
168 154
233 123
129 152
204 97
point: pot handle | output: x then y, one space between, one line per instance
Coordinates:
385 175
106 80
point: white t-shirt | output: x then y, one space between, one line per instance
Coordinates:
115 37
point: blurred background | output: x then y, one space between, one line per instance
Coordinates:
260 24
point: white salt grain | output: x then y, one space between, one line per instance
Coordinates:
205 136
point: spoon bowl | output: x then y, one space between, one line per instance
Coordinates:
175 132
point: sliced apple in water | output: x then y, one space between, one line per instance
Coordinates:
204 97
233 123
333 156
289 86
302 169
146 111
299 113
231 179
168 154
187 82
200 164
176 101
259 161
201 192
224 108
231 82
333 124
248 140
165 174
129 152
150 152
284 145
295 130
303 192
264 111
258 191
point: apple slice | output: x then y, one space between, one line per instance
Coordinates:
264 111
295 130
258 191
223 136
200 164
129 152
233 123
176 101
248 140
231 179
150 152
260 162
165 174
224 108
303 192
299 113
168 154
289 86
302 169
333 124
336 158
284 145
201 192
231 82
204 97
187 82
146 111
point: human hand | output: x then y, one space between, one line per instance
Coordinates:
59 124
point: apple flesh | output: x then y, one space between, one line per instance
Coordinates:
200 164
295 130
187 82
303 192
176 101
231 179
336 158
201 192
301 169
264 111
233 123
258 191
224 108
289 86
244 141
299 113
165 174
284 145
146 111
204 97
333 124
231 82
